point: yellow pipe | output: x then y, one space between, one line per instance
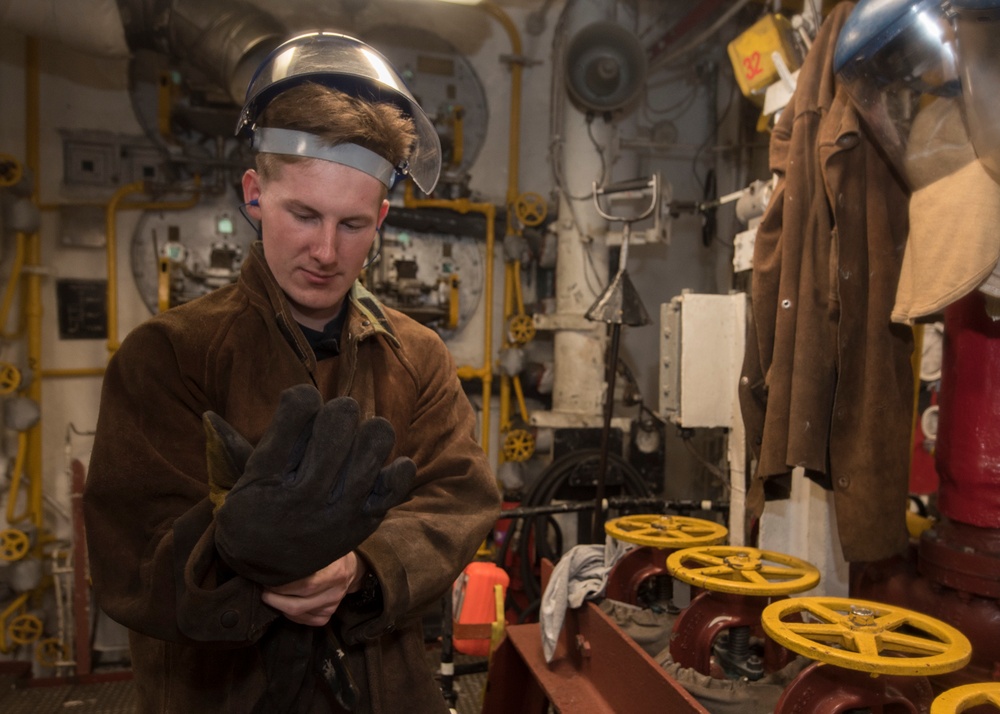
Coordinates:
505 422
111 255
519 393
111 220
514 141
12 283
458 129
73 372
513 169
515 285
485 373
14 490
464 206
163 284
453 312
16 604
124 205
504 406
33 282
165 100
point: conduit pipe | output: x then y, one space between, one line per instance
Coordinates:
514 135
12 283
581 245
485 372
111 256
33 279
516 63
111 218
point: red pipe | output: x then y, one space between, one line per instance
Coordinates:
81 584
968 442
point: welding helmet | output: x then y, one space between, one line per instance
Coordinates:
976 25
896 60
346 64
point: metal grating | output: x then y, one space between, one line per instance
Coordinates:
24 697
21 695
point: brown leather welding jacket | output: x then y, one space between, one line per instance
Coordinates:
195 641
826 382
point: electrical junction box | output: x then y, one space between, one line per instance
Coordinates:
752 55
743 249
702 340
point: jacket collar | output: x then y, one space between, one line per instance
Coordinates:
366 317
369 314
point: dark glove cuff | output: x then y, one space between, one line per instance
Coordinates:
369 596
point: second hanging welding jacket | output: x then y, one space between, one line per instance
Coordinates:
826 382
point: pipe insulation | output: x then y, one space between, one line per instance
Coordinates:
225 39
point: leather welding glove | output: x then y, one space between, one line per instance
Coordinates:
311 491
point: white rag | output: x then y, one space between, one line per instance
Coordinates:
581 574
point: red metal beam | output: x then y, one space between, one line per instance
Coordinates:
81 571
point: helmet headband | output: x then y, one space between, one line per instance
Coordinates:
299 143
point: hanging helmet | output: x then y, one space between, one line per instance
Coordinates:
896 60
350 66
976 23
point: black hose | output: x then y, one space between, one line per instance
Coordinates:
545 489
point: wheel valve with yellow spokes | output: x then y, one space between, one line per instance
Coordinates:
719 634
10 378
518 445
50 652
640 576
868 654
521 329
530 209
14 544
959 699
24 629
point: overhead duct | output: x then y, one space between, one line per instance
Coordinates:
224 39
605 67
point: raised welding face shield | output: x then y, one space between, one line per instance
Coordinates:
977 23
349 65
896 59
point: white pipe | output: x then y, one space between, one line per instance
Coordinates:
582 260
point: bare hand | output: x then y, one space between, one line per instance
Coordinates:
313 599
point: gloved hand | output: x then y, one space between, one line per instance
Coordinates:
310 492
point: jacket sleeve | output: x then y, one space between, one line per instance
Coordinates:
146 509
422 545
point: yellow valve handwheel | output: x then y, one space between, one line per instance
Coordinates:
530 209
49 652
659 531
14 544
521 329
866 636
10 171
10 378
24 629
967 696
518 445
742 570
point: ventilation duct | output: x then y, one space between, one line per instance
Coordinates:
224 39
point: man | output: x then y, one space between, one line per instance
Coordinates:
285 474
